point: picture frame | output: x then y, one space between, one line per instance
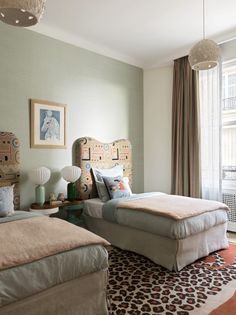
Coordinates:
48 124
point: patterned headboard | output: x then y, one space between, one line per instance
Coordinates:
92 153
10 164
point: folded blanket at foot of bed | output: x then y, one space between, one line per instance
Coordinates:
38 237
171 216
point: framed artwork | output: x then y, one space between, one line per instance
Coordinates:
48 124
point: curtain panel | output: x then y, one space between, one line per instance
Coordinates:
211 131
185 160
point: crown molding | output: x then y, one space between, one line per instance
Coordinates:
80 42
161 61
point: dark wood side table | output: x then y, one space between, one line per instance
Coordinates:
74 210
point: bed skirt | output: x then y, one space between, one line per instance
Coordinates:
169 253
82 296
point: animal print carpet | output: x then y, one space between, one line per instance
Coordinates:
137 286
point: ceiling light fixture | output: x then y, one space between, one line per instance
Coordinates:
205 54
21 12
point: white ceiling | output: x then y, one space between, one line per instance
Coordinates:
146 33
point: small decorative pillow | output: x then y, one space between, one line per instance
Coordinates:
98 177
126 181
117 187
6 201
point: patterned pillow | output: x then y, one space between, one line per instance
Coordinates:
98 177
6 201
117 187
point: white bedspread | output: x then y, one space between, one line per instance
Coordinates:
93 207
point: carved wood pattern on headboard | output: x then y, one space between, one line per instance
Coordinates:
92 153
10 164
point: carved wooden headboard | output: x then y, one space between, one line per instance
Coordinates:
92 153
10 164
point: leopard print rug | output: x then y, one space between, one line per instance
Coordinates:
137 286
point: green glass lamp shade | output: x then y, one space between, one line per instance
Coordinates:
71 191
40 194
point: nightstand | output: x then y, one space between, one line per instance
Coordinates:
74 210
46 209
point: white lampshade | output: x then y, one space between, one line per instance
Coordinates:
71 173
21 12
40 175
204 55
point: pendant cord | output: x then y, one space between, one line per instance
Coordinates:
203 16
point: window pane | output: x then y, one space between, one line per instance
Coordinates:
229 126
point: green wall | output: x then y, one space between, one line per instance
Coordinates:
104 100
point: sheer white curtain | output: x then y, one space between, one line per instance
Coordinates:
210 125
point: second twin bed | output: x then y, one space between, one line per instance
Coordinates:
172 231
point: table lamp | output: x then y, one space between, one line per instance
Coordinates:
40 176
71 174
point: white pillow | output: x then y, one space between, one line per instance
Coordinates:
98 173
126 181
6 201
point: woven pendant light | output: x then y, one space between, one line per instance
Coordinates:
206 53
21 12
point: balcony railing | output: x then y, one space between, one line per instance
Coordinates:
229 173
229 103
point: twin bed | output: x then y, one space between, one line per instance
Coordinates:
47 266
170 241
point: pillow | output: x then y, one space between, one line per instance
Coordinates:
6 201
117 187
98 174
126 181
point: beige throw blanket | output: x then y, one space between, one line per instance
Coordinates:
175 207
31 239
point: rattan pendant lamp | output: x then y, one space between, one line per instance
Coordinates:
21 12
205 54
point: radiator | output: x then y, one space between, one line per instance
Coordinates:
230 200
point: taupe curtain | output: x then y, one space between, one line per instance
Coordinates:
185 131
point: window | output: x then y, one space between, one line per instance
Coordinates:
229 126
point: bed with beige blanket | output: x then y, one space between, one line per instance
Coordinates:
172 231
47 266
